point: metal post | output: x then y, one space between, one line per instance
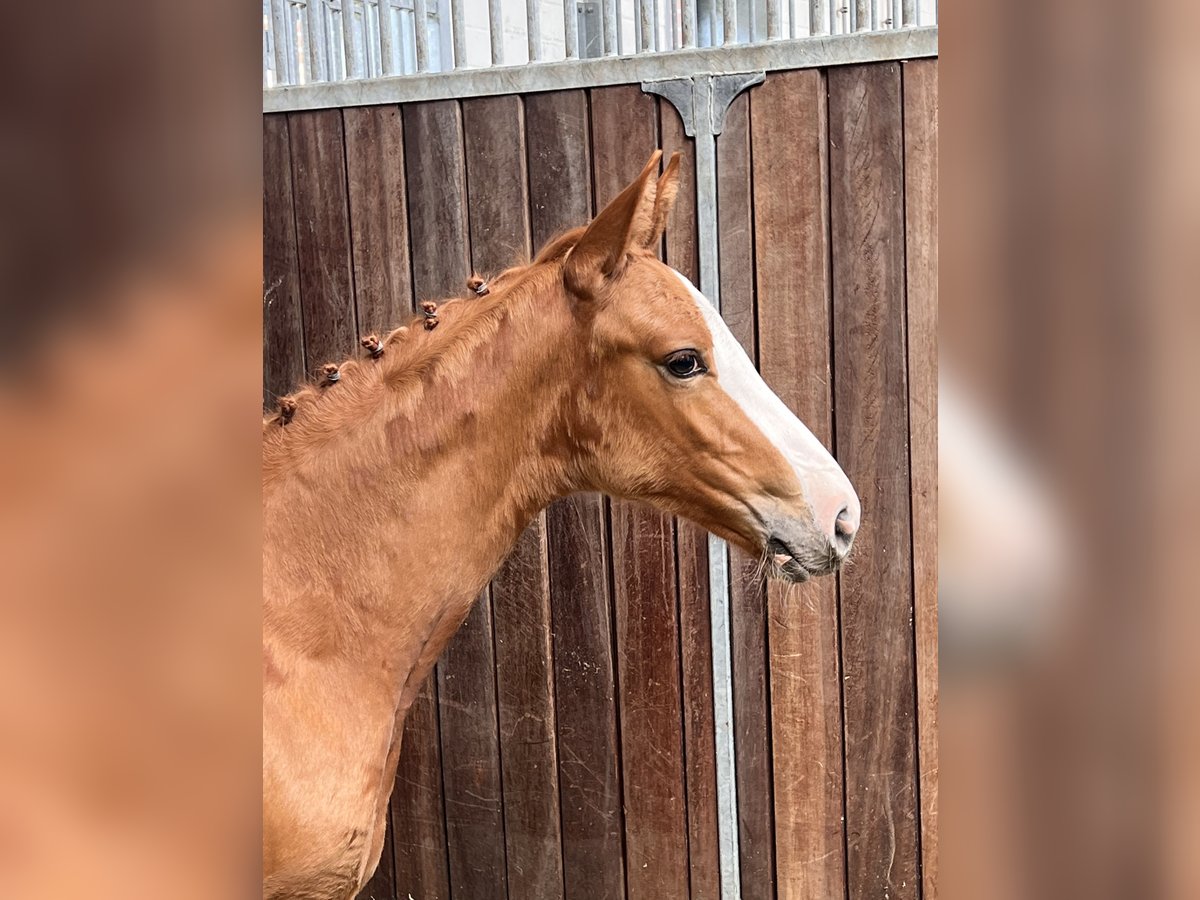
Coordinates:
570 29
496 31
611 26
862 15
279 39
772 19
458 28
533 28
314 28
689 23
643 20
702 102
349 48
421 33
331 73
729 11
818 16
387 63
909 13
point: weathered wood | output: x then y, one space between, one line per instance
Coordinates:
471 759
378 216
323 236
560 175
921 259
528 732
417 808
691 561
747 594
437 198
283 335
584 675
871 397
791 218
499 221
498 196
735 224
560 197
624 133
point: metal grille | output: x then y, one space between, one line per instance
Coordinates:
311 41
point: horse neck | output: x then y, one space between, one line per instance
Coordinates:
377 545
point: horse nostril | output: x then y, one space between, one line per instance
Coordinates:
844 525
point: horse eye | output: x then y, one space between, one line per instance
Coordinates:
685 364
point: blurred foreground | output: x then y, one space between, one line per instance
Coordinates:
131 284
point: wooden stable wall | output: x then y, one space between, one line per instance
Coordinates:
564 748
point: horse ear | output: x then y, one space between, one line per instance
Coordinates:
626 223
664 199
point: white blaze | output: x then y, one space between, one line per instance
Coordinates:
825 485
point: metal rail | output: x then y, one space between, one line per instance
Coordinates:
829 50
308 42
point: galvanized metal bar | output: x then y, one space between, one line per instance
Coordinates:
421 33
279 41
387 58
688 25
643 22
793 30
570 29
862 15
611 27
773 18
331 41
496 31
349 47
818 17
674 37
314 39
729 14
458 28
804 53
533 29
910 13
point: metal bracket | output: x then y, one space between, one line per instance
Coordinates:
702 101
704 93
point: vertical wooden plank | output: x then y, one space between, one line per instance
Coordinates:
871 396
589 773
560 174
378 216
471 759
499 222
560 197
437 198
691 560
921 261
790 135
436 193
735 224
418 812
528 734
624 133
747 594
323 235
283 336
497 195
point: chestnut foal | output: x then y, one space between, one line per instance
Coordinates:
393 492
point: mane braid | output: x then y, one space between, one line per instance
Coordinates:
412 357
